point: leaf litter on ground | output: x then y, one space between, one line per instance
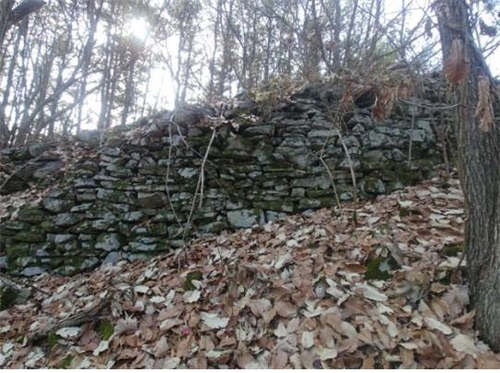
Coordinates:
289 294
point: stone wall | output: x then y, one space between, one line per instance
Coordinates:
129 193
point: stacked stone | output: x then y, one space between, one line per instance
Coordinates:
119 202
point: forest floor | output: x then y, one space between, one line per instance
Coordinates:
315 290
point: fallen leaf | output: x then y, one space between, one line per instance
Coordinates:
307 339
281 331
191 296
370 292
464 343
259 306
125 325
327 353
348 330
279 359
161 348
157 299
103 346
285 309
172 363
213 321
438 325
141 289
69 332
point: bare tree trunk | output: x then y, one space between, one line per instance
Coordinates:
93 14
479 160
129 90
211 92
348 40
5 18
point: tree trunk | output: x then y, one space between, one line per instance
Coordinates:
479 163
5 18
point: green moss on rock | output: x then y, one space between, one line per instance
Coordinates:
31 215
49 226
30 236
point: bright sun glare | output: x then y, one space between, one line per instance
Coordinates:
138 28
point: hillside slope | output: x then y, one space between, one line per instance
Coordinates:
314 290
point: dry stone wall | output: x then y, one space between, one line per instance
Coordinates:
129 193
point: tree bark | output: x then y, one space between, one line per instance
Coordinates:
479 163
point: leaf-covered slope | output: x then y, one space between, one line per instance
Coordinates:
313 290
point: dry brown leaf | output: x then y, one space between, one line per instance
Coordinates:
285 309
244 359
484 108
437 325
161 348
259 306
279 359
368 362
488 360
125 325
407 358
467 320
128 353
405 89
384 101
227 341
183 347
464 343
132 340
456 67
205 343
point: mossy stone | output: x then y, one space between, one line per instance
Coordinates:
31 215
49 226
313 203
285 206
30 236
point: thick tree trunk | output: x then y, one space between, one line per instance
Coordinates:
479 171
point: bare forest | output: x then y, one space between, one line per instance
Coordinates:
98 63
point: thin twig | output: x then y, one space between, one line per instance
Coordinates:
332 180
410 147
198 191
167 176
353 178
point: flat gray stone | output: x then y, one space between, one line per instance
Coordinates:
108 242
66 219
57 205
322 182
151 200
48 169
133 216
63 238
112 257
245 218
32 271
